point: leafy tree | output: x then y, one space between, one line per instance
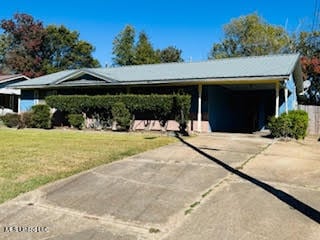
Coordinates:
4 44
308 44
250 35
144 52
27 47
311 70
170 54
123 47
127 52
23 44
63 50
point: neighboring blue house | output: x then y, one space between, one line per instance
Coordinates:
234 94
9 97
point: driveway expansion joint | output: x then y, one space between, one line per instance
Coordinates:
171 162
108 220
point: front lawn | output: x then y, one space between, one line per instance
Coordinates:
30 158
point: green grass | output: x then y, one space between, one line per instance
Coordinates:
154 230
30 158
194 204
206 193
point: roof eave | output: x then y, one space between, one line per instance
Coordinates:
230 80
80 72
15 78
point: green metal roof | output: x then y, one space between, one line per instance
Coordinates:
260 67
47 79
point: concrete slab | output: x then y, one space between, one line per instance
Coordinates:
234 159
240 210
131 191
92 234
55 224
240 143
152 190
175 153
290 162
233 149
306 149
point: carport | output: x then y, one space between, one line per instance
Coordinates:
245 92
240 107
246 104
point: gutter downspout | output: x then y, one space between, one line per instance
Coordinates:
286 95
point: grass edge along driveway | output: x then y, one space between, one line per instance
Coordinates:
30 158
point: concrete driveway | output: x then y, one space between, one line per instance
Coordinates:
219 186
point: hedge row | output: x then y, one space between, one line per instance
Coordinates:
158 107
135 103
293 125
38 117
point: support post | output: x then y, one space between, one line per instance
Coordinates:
286 96
199 107
10 102
19 104
36 97
277 100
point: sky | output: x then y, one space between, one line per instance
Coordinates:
192 26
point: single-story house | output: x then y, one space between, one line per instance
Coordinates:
234 94
10 97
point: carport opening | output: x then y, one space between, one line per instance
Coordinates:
9 101
240 108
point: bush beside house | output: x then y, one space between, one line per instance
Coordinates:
76 120
41 117
11 120
293 125
25 120
106 107
121 115
38 117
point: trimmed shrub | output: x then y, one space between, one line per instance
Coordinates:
280 127
299 123
182 107
11 120
25 120
121 115
293 125
76 120
148 107
41 116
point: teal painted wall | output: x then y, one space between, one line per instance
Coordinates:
292 97
219 102
27 100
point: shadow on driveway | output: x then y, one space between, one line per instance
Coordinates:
303 208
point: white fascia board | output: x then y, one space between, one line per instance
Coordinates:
10 91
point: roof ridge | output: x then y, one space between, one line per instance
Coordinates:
199 62
255 56
150 64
